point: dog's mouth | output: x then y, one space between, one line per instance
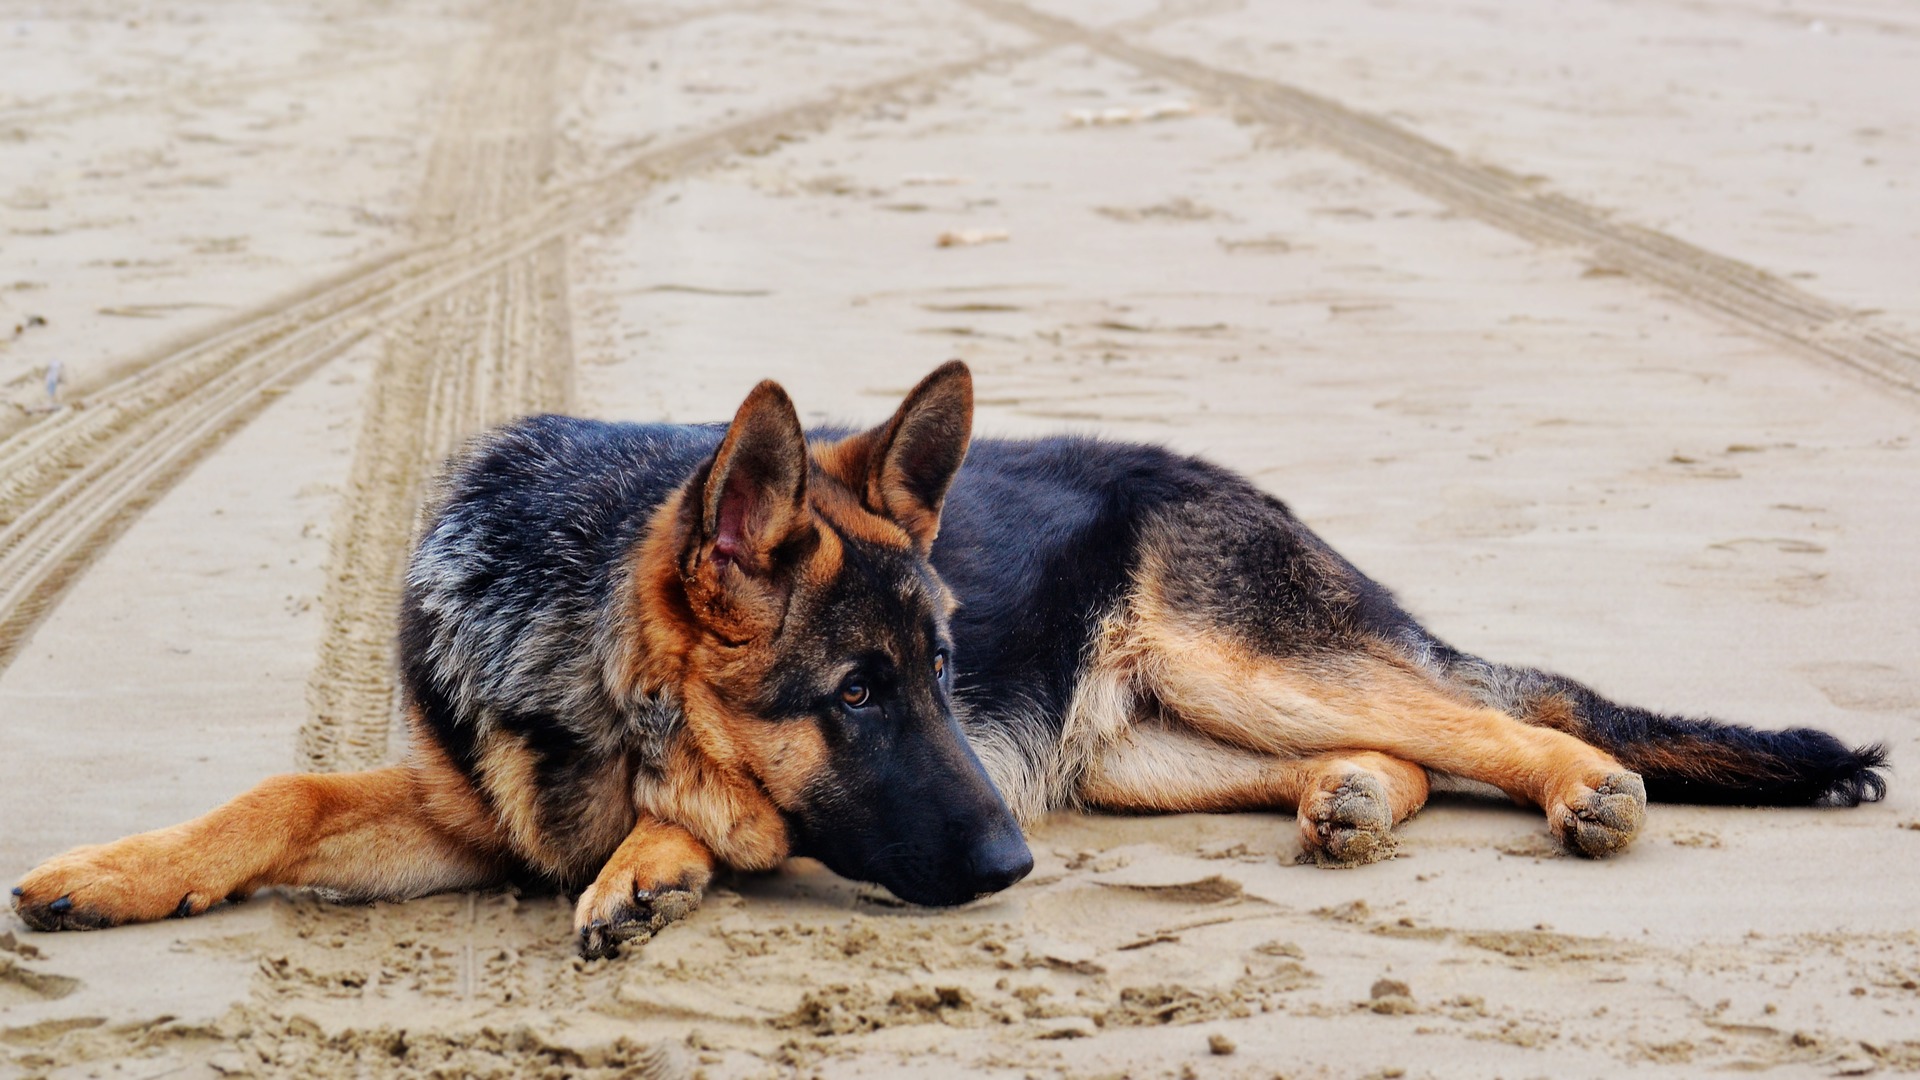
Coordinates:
920 895
983 872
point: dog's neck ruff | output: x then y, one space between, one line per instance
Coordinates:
653 721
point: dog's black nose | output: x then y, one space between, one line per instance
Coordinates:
999 861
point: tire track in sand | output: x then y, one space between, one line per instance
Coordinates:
73 481
495 348
1748 297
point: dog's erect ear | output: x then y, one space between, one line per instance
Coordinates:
911 460
752 503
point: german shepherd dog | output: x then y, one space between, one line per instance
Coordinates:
632 653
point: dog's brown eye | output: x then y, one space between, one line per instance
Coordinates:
940 664
854 693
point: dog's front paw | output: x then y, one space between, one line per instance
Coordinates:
89 888
614 912
1602 817
1349 825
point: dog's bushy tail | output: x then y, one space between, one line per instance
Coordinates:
1682 759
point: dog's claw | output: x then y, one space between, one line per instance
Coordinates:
18 891
60 906
593 941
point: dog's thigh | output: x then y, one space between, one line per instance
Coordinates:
1347 803
656 876
365 835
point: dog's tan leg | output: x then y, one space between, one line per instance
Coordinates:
1347 804
367 834
1360 699
1593 804
656 876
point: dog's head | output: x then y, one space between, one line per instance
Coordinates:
822 667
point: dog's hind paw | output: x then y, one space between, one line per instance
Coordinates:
1349 825
1604 818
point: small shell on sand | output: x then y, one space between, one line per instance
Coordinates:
970 237
1166 110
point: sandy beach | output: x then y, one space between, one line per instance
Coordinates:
1592 332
